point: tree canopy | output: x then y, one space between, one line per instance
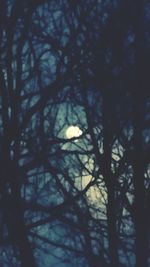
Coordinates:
74 133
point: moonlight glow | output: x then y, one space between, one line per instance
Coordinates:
95 194
73 131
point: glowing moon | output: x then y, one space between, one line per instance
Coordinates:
73 131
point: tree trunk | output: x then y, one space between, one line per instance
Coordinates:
17 231
109 180
139 90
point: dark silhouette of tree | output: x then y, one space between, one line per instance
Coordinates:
74 132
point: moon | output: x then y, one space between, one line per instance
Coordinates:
96 195
73 131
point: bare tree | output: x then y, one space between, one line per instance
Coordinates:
74 133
